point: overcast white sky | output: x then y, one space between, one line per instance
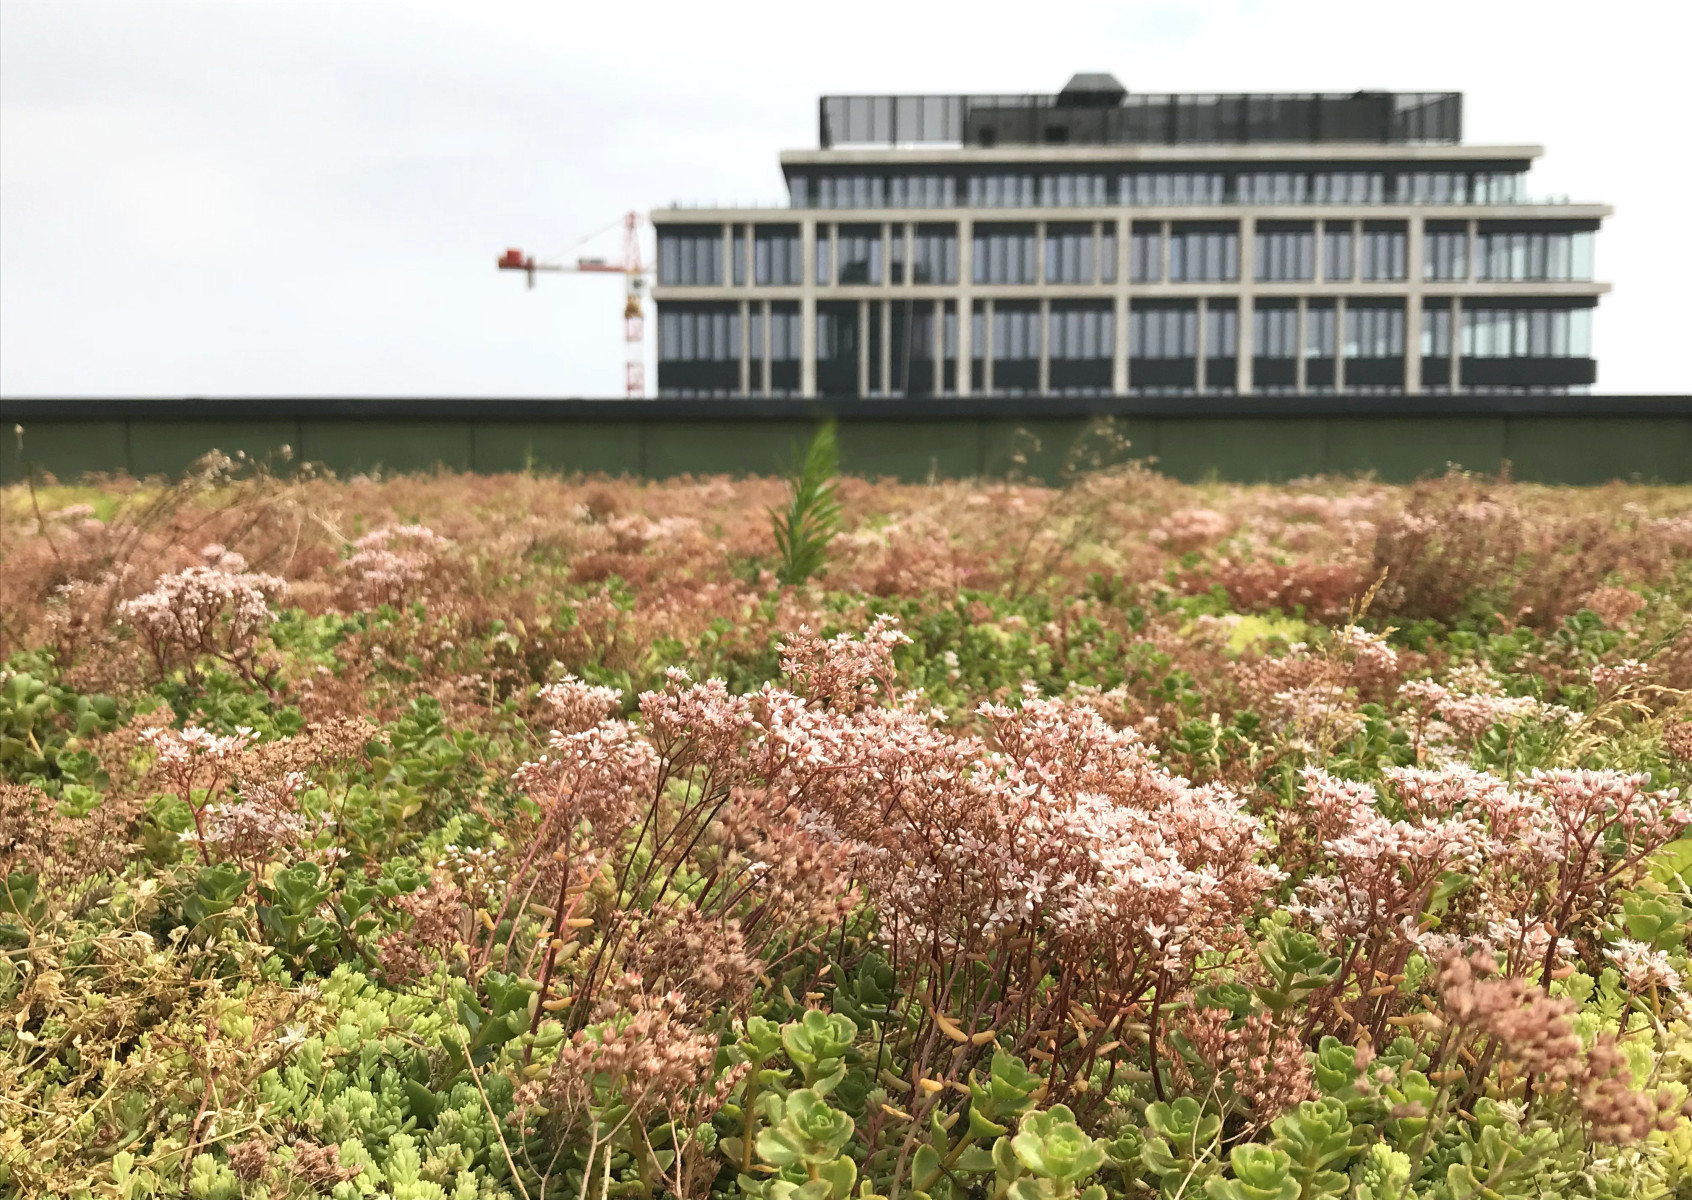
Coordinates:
307 198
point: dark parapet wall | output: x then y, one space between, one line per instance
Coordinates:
1549 439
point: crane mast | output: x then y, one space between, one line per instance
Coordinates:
634 273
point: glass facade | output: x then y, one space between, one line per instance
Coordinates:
1384 253
1000 191
1082 331
1337 266
1204 254
1069 254
1221 331
1274 332
1533 254
1003 254
776 256
1436 330
1068 187
1374 331
1445 252
1527 333
922 191
859 247
1051 299
1163 332
935 254
1148 189
1347 187
1285 253
1145 254
699 335
1320 330
690 255
1070 190
1016 348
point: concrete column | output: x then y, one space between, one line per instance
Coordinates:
808 309
1457 335
1098 252
1039 254
966 280
1045 376
1357 250
1161 275
886 254
863 348
887 347
938 349
1473 272
1200 382
728 255
987 350
764 367
745 348
1413 343
1300 373
1119 344
1339 337
1321 237
1248 278
1414 260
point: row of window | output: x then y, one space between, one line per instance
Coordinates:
1005 254
1380 332
1081 331
1026 188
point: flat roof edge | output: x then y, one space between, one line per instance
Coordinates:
23 410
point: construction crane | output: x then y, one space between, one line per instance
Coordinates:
634 273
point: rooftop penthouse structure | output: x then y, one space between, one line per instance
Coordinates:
1102 242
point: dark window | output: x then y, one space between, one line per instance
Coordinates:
1274 332
1320 331
1374 331
1336 254
699 333
1003 254
1145 254
690 255
1069 254
1084 331
1436 332
860 253
935 254
1159 332
1285 253
1204 253
1445 253
1221 331
1383 253
1527 333
776 255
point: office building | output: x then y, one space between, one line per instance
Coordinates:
1099 241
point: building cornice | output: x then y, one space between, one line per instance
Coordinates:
1232 152
676 214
